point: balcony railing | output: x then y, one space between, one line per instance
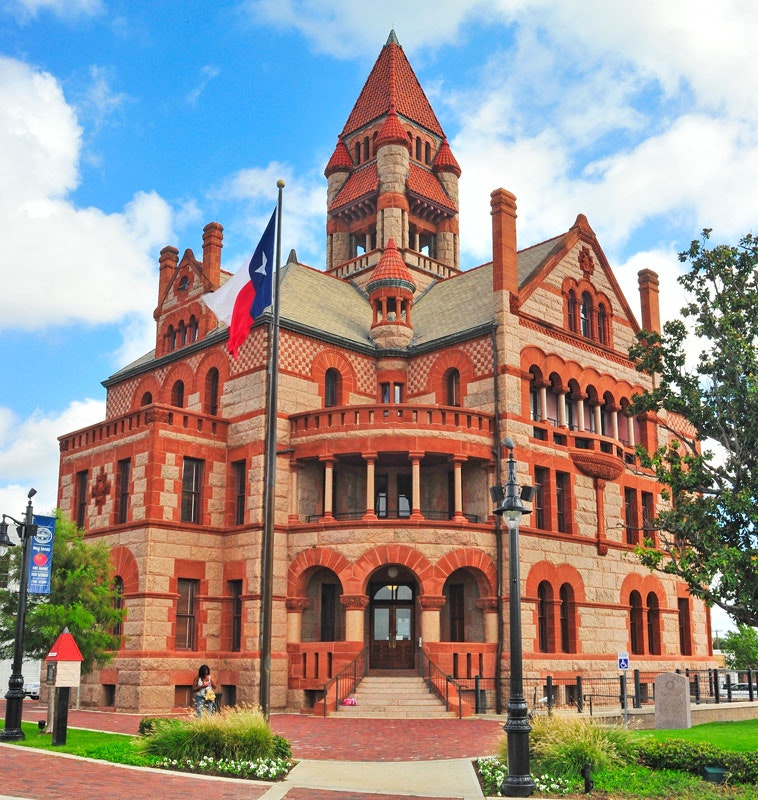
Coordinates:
365 417
394 514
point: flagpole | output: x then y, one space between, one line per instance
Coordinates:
269 494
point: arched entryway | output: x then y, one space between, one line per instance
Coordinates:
392 593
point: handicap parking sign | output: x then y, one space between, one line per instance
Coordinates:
623 660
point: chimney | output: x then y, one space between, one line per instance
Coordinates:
647 281
213 238
504 252
167 264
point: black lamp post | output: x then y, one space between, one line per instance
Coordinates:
518 782
14 699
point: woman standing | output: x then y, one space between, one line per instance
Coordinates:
205 691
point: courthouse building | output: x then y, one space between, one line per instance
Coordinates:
400 373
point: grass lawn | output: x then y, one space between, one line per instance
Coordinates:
739 737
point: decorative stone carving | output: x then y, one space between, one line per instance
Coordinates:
297 603
354 600
597 464
101 490
431 602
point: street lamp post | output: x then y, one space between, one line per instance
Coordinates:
14 699
518 782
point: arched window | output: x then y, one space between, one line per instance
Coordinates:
535 404
571 310
544 608
585 313
357 152
365 149
177 394
182 334
192 329
453 387
170 338
332 387
418 148
653 624
118 604
568 624
636 644
602 324
147 398
211 391
427 153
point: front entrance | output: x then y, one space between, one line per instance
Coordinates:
392 627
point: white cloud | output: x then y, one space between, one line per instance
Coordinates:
80 264
29 452
207 74
29 9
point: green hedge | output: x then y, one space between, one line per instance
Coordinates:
693 756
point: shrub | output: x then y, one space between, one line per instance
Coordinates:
561 747
691 757
147 725
236 734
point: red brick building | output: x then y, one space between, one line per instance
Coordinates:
399 375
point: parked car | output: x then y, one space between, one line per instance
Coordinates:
741 691
31 689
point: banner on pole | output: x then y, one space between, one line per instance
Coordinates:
41 556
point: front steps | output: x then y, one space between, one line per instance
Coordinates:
395 697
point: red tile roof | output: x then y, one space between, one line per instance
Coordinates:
445 161
392 131
362 182
392 81
422 183
340 160
391 267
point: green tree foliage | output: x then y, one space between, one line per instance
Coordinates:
740 648
708 537
81 598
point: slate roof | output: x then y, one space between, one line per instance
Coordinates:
392 81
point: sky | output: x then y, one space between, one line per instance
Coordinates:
127 125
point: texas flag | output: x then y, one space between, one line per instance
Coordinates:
247 293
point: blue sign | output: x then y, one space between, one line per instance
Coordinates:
623 660
41 556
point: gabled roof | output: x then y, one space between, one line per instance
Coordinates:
392 81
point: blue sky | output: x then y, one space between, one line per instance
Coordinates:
128 125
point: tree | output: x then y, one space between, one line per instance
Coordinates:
82 598
741 648
708 537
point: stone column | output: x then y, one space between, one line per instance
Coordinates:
543 402
416 489
370 459
293 515
458 489
430 616
355 614
295 607
489 607
580 413
561 403
328 462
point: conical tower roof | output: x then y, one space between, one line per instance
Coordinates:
392 81
391 271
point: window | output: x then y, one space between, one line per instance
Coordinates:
211 391
562 501
380 496
147 398
538 501
239 483
192 481
453 387
235 590
80 499
648 515
571 309
328 612
118 604
544 608
635 623
570 412
193 328
568 634
585 315
332 388
391 392
602 324
124 474
404 490
177 394
170 338
535 409
685 626
630 516
653 624
185 613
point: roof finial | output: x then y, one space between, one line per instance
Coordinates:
392 38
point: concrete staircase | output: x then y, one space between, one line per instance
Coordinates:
395 697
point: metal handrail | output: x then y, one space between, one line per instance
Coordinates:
346 680
434 677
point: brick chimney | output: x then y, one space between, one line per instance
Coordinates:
647 281
167 264
504 251
213 241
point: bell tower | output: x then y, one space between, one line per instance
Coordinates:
392 174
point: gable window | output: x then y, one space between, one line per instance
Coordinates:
122 490
602 324
571 309
192 482
80 499
585 315
453 386
184 637
332 388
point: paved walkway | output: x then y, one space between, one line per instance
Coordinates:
338 759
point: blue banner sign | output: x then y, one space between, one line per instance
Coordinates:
41 556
